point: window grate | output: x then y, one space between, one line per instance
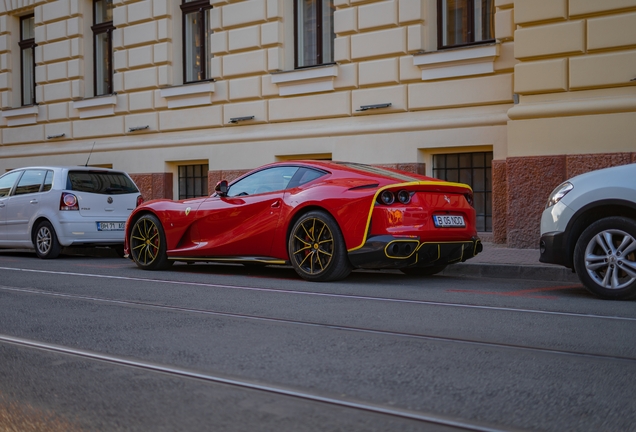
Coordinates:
475 170
193 181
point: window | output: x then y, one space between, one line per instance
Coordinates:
464 22
7 181
103 47
196 53
27 59
473 169
314 32
267 180
100 182
193 181
31 182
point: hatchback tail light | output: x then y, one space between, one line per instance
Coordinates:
140 200
68 201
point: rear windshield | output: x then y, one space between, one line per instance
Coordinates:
380 171
100 182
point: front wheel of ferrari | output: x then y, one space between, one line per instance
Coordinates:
316 248
148 244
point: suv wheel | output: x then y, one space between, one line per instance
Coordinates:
605 258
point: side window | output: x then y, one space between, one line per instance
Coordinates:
305 175
465 22
314 32
30 182
103 47
27 59
196 33
7 181
267 180
48 181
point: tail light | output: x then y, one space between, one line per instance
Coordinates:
68 201
140 200
469 198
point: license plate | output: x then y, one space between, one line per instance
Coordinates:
449 221
111 226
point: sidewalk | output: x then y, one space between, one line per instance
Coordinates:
499 261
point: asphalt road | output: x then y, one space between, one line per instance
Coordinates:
91 343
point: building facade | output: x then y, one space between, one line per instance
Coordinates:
509 96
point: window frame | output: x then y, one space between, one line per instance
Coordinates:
441 26
27 44
203 179
99 29
201 7
318 29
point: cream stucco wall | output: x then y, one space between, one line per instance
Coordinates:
384 52
575 77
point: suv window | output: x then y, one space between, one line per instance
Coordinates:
30 182
100 182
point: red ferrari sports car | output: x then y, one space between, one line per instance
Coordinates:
324 218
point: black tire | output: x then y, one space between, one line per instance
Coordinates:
316 248
148 244
423 271
45 241
605 258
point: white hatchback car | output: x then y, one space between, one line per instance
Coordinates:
47 208
589 225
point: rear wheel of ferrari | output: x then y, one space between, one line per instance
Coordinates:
317 250
148 244
423 271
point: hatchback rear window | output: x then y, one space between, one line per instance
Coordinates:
100 182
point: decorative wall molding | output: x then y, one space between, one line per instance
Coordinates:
96 107
21 116
189 95
304 81
461 62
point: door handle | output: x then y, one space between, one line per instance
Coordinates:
1 204
276 204
33 201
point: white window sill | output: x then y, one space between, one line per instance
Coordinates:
474 60
189 94
304 81
96 107
21 116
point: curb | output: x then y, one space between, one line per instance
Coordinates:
512 271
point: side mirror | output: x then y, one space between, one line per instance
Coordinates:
221 188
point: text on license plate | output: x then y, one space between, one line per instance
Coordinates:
449 221
110 226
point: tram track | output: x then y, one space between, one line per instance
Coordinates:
365 330
331 295
429 418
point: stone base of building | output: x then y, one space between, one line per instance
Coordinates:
154 185
521 186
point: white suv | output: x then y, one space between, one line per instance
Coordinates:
47 208
589 225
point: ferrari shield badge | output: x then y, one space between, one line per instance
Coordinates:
187 211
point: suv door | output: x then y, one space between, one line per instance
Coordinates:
7 183
25 203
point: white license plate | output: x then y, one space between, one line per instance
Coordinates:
111 226
449 221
